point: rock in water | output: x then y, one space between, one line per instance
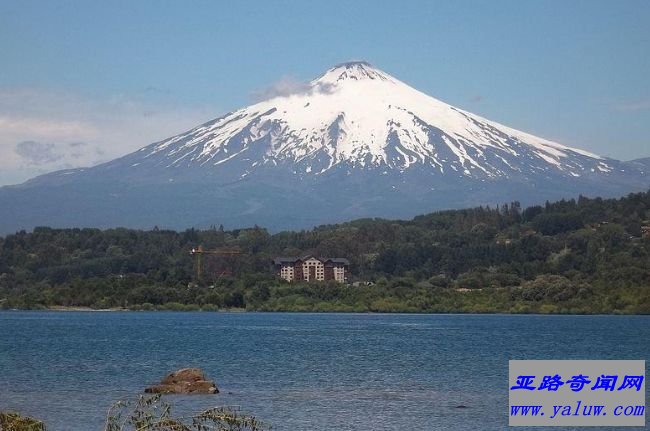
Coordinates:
184 381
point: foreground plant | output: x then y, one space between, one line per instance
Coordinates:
153 413
16 422
149 413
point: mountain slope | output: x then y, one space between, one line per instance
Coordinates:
642 164
358 116
353 142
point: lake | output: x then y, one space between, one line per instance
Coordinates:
296 371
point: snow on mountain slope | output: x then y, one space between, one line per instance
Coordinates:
357 115
355 142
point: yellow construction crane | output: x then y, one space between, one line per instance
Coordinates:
200 251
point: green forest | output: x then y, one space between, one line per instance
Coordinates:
585 255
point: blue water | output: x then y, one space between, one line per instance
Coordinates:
296 371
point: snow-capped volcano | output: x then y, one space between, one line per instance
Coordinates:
360 116
354 142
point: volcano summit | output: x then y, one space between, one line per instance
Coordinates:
355 142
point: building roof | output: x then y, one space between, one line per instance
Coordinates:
342 260
291 260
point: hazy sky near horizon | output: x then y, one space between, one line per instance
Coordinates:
84 82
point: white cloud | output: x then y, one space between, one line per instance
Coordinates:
43 131
38 153
633 106
61 155
288 86
41 127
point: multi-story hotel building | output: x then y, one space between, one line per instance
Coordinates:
311 268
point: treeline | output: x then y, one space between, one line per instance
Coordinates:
572 256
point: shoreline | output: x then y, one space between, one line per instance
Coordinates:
73 309
76 308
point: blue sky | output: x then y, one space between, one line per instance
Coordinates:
82 82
